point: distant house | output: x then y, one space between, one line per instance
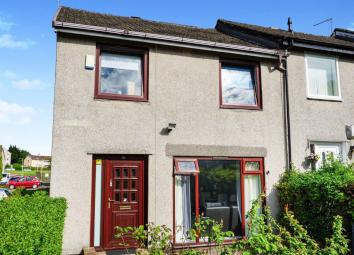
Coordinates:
37 161
5 157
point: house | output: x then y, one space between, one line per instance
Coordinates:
159 122
37 161
320 95
5 157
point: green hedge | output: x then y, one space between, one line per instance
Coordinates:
31 224
317 196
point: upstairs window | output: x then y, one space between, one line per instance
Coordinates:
121 73
239 85
322 77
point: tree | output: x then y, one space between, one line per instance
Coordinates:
17 154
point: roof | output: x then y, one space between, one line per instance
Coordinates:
39 157
276 34
75 16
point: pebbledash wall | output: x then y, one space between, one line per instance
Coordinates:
184 89
318 120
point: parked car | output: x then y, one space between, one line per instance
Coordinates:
25 182
4 193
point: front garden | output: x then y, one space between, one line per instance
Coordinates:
316 219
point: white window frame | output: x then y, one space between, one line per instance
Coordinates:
330 98
318 145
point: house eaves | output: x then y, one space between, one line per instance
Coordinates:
160 39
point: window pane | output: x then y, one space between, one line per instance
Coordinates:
121 74
238 85
252 190
325 150
322 76
184 205
220 192
252 166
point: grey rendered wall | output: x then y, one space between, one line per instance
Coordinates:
183 88
316 120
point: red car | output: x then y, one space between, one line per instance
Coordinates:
25 182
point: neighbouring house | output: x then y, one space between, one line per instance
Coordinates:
160 122
37 161
5 157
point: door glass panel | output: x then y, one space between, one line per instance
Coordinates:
125 184
133 197
118 184
125 196
118 172
117 196
133 184
133 172
125 172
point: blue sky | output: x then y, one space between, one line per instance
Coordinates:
27 47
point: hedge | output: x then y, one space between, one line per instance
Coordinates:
32 224
317 196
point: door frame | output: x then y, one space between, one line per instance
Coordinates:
104 158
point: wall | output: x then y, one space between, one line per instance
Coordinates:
318 120
183 88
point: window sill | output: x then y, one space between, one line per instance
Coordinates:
179 246
120 98
240 107
332 99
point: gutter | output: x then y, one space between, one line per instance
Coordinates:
105 32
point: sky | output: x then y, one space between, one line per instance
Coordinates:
27 47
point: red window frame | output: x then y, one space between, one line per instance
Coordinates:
257 78
243 173
142 52
186 172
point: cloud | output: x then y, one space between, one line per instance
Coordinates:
28 84
5 25
9 41
11 113
9 74
351 26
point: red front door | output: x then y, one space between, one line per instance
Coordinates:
123 200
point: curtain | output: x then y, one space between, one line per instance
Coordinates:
182 207
238 193
322 76
252 189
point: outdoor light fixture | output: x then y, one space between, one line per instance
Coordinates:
171 126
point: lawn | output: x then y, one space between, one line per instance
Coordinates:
45 174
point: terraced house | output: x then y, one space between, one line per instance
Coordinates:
159 122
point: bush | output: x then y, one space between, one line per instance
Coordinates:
17 166
267 237
317 196
31 224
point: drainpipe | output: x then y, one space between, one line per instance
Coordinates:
283 67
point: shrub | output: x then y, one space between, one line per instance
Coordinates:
317 196
267 237
31 224
17 166
156 239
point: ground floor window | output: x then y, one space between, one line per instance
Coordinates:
326 149
220 189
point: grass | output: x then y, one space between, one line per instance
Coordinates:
27 173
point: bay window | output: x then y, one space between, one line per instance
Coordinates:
121 73
322 77
220 189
